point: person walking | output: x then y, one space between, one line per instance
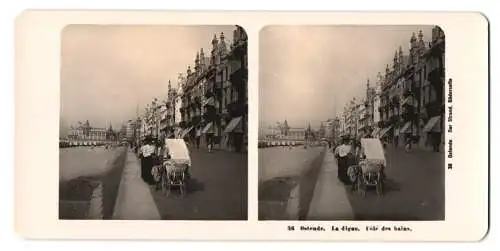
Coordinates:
437 141
197 137
342 153
147 155
210 142
408 144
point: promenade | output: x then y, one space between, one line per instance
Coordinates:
414 190
217 190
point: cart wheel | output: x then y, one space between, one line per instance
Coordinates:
380 188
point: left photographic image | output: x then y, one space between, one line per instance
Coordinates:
153 122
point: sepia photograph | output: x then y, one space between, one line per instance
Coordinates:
153 122
351 123
345 132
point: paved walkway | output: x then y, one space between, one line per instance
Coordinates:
330 201
134 200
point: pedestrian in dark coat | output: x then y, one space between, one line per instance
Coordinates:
344 154
148 158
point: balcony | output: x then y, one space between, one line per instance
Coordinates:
209 93
407 92
197 100
163 118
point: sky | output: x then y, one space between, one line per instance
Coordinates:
108 70
308 73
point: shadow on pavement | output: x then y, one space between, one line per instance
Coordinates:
75 194
390 185
74 198
194 185
277 189
275 193
273 197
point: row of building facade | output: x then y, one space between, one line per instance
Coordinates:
210 97
405 103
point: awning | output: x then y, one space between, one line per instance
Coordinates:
209 101
208 128
384 131
185 132
405 128
432 125
234 126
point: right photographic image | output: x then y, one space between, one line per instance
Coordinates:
351 123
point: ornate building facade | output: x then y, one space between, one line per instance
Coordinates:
214 95
211 97
85 132
411 99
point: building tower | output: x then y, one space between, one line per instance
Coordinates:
413 48
214 58
421 43
202 59
395 65
222 45
197 68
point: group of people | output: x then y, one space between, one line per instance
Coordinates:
197 138
151 153
347 154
